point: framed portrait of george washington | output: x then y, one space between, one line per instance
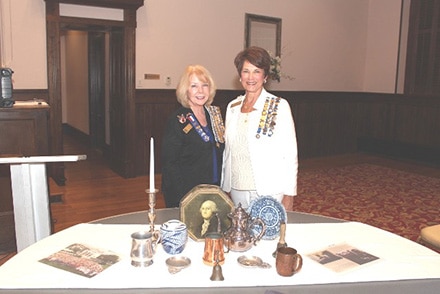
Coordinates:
205 209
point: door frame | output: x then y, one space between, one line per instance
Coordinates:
122 80
97 88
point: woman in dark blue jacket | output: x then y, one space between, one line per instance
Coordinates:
193 142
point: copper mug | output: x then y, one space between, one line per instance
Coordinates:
288 261
214 249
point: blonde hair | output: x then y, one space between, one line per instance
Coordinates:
203 75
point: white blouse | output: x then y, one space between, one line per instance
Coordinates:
242 177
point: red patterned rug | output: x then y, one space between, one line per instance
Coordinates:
390 199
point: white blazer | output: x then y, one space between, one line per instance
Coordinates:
274 159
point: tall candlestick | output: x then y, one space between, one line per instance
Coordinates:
152 188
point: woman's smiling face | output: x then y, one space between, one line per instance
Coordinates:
252 78
198 91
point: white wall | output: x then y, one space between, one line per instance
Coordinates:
24 32
323 42
383 36
328 45
76 73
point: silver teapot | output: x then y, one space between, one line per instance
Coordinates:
240 237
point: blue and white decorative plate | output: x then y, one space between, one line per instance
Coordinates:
271 212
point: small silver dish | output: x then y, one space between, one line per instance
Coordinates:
252 261
177 263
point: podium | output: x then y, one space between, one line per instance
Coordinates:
30 196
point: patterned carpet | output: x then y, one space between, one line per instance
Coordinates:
393 200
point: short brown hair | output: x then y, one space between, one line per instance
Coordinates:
255 55
203 75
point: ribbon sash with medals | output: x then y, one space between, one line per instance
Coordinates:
194 122
268 117
217 124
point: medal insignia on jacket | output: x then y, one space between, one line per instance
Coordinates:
187 128
182 118
236 104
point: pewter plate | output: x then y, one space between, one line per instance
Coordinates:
252 261
177 263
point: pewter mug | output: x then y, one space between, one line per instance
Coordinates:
143 247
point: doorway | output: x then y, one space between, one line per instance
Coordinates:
85 86
121 81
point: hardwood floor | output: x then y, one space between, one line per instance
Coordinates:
93 191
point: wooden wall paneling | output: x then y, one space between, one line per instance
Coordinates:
346 128
161 113
402 126
431 117
407 123
301 120
223 97
56 170
343 127
319 130
324 125
24 131
142 133
327 123
117 102
417 124
129 80
30 94
153 107
373 119
148 124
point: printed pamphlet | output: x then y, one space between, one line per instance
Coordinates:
82 260
342 257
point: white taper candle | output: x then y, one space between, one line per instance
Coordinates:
152 188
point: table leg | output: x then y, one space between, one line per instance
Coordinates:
31 203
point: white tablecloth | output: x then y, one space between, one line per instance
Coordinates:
400 259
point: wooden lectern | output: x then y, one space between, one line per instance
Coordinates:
31 197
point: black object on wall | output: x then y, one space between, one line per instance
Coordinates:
6 99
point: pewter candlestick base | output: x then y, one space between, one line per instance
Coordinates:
152 205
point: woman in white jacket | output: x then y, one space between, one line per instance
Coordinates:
260 157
